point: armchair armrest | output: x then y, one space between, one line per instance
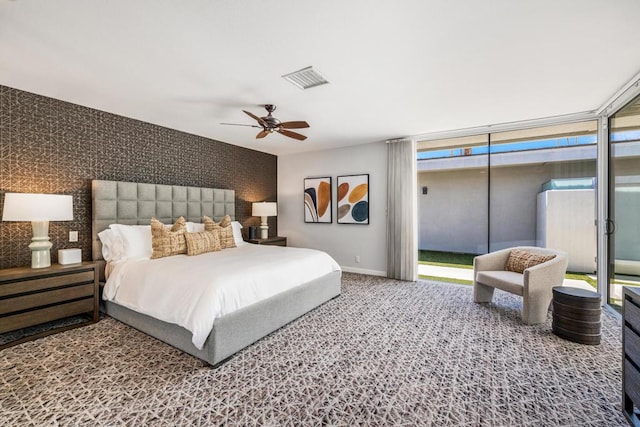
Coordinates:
546 275
494 261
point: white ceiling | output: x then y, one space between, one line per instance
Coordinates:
396 68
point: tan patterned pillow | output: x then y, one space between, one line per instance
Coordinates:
201 242
168 242
520 260
224 230
225 221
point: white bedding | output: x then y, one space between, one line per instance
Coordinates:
192 291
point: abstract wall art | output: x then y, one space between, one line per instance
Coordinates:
353 199
317 200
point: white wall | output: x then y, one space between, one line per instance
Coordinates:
566 221
342 241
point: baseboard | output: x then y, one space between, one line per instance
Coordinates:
364 271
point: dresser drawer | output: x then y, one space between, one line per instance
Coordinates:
632 382
31 285
632 313
35 317
632 345
24 302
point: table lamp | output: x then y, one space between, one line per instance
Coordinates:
39 209
263 210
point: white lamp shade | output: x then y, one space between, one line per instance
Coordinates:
37 207
265 209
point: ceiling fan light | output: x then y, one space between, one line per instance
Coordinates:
305 78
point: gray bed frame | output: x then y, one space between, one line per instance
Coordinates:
115 202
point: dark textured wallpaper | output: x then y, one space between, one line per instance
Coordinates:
52 146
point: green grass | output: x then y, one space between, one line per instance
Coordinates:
446 259
582 276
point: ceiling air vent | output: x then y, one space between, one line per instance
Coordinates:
305 78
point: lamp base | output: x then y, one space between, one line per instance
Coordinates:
41 258
264 228
40 245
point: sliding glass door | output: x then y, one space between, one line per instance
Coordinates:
624 201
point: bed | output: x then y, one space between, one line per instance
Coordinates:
128 203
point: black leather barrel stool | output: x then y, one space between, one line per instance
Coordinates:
576 315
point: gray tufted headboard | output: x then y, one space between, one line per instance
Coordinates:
115 202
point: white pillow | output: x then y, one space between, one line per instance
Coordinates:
136 239
194 227
112 245
237 232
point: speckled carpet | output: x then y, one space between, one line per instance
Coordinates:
383 353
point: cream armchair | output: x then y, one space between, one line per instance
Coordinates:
534 284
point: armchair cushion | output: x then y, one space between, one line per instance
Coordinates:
505 280
520 260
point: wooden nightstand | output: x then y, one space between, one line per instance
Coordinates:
273 241
32 296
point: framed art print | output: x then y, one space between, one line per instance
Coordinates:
353 199
317 200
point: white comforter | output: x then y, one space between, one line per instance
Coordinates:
192 291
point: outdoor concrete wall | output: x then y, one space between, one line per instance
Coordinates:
513 204
453 216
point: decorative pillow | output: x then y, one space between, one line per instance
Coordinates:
136 240
224 230
201 242
168 242
520 260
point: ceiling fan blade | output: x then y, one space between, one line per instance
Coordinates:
294 125
262 134
293 135
256 118
238 124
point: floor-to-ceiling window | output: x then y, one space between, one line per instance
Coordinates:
543 193
525 187
624 200
452 206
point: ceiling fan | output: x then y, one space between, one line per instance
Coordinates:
270 124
